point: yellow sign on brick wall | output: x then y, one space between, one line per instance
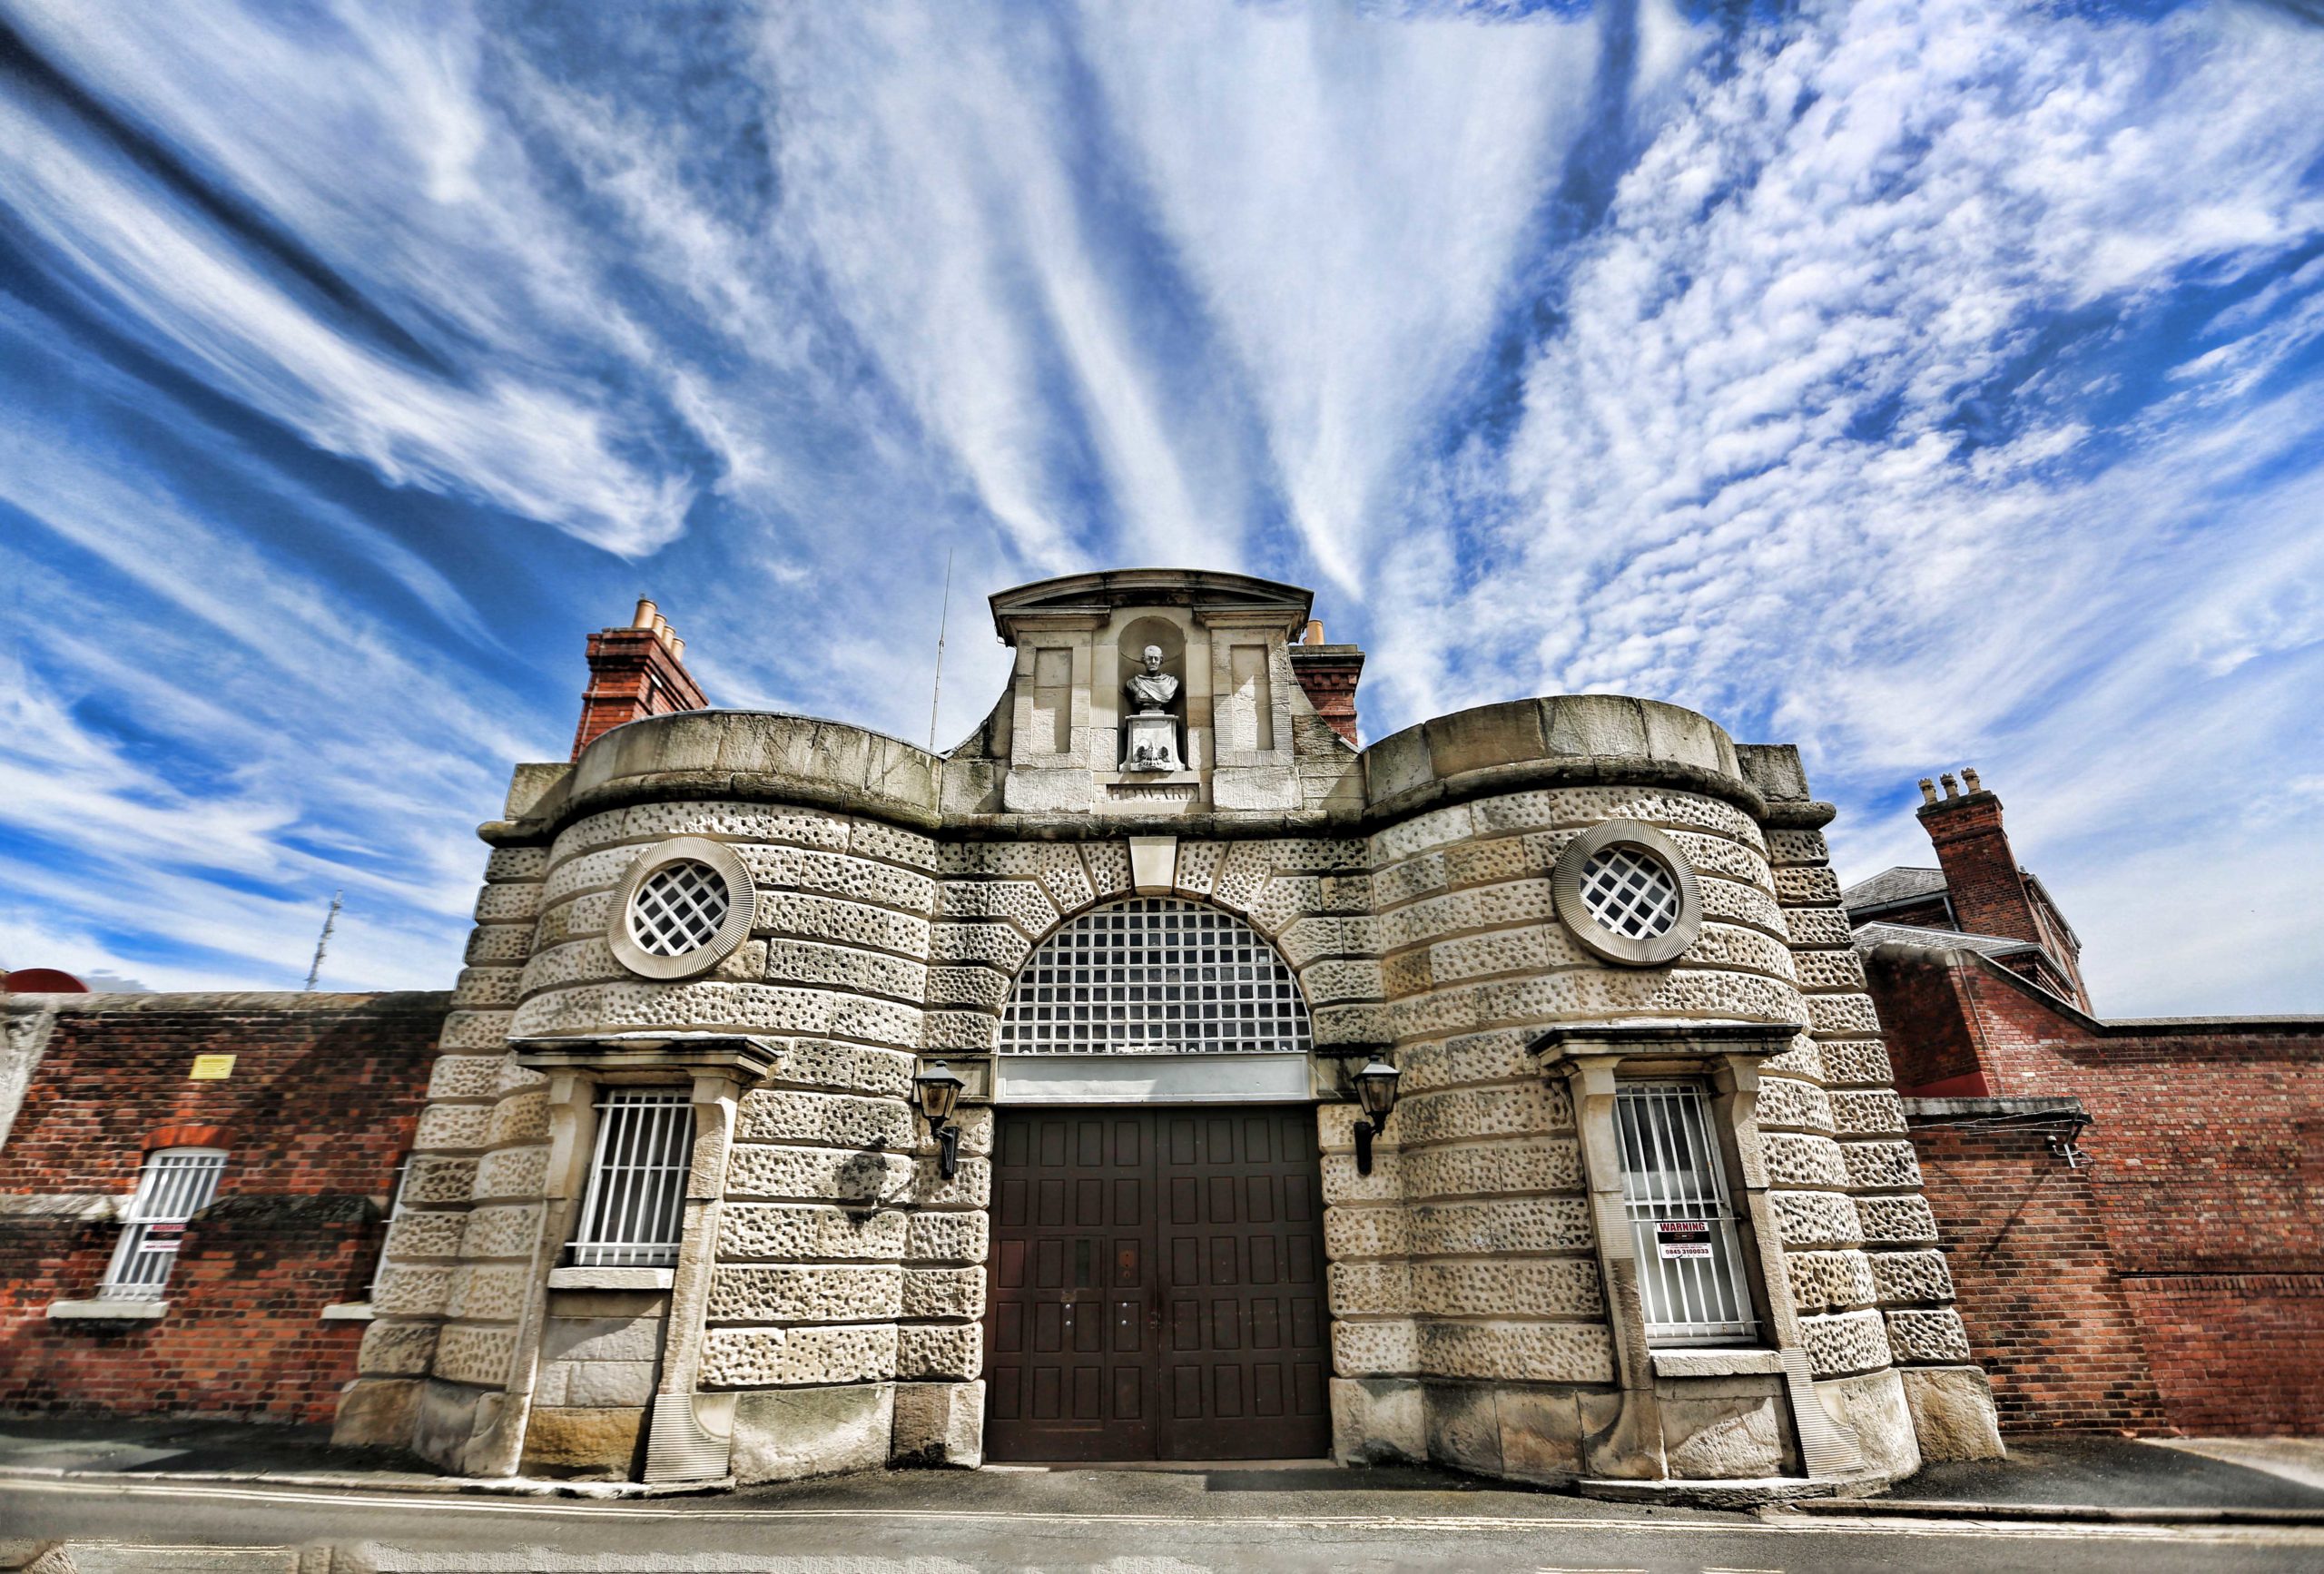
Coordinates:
212 1068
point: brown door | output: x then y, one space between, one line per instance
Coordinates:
1158 1286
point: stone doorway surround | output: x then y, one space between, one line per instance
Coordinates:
1753 1407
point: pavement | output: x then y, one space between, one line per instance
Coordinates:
158 1497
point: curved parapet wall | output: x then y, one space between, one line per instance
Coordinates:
834 1319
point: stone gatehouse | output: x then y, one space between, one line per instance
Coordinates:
1643 1207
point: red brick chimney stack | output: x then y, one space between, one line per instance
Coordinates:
1329 674
1991 894
635 672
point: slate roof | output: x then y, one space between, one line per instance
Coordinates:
1893 885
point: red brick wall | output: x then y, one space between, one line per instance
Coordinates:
2203 1197
2047 1314
321 1106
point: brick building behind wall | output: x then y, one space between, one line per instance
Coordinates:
262 1304
2133 1210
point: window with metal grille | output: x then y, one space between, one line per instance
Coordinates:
680 908
633 1212
1154 976
1627 888
1689 1255
176 1184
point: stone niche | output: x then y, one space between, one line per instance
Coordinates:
1225 639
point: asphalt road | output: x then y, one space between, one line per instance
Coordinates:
1120 1522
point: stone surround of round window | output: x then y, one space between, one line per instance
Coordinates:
682 908
1628 894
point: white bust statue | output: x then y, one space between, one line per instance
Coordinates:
1151 689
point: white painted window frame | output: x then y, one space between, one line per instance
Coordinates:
175 1184
633 1210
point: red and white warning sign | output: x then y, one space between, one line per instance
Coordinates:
1682 1238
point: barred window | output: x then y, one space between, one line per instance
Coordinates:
680 908
1689 1255
1627 888
176 1184
1154 976
634 1214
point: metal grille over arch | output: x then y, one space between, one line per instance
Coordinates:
1156 976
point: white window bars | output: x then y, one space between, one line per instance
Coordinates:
1628 890
176 1184
1689 1255
681 908
634 1214
1154 976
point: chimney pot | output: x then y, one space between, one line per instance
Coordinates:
1928 790
1952 788
646 614
1315 632
1969 776
677 648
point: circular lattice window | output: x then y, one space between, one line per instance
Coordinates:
1627 893
682 908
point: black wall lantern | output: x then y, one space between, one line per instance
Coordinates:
939 1090
1376 1089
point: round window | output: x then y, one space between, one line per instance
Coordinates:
681 909
1626 892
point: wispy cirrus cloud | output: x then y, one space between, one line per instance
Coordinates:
1921 381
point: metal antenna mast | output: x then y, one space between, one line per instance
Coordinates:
323 940
943 620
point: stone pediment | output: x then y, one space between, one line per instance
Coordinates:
1097 595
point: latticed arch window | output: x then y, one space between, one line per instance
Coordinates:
1154 976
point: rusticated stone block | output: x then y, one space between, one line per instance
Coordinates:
947 1237
859 1178
1822 1281
408 1290
1829 970
1508 1225
1880 1166
1807 1219
397 1349
1930 1336
833 1119
1501 1054
513 1172
1799 1106
820 965
1903 1277
1375 1289
507 1231
1808 887
1872 1112
1807 1162
1896 1221
806 1231
521 1117
943 1292
1481 1112
824 1292
489 1294
788 1357
1857 1061
1517 1352
892 844
1813 926
849 923
1383 1349
1527 1164
1842 1014
474 1355
463 1076
500 943
1844 1343
415 1235
953 1351
1509 1287
1797 846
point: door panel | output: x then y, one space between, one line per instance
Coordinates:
1125 1330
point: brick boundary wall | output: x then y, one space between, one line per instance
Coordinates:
2198 1211
318 1112
2047 1316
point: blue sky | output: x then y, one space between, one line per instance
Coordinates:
1924 383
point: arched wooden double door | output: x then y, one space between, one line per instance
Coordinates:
1158 1286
